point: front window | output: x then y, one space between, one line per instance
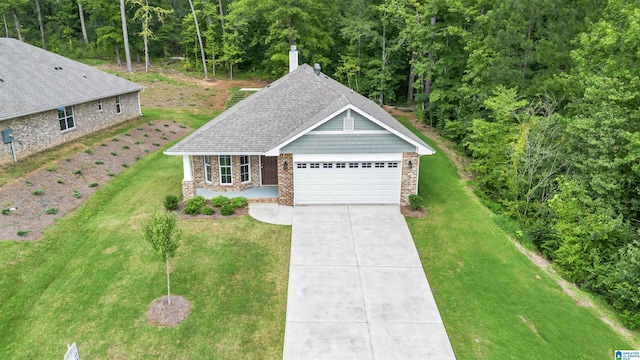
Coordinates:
65 116
207 168
245 166
225 169
100 105
118 106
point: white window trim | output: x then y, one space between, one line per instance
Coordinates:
248 165
66 118
230 166
208 179
118 105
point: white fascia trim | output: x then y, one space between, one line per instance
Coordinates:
346 157
181 153
421 150
362 132
276 150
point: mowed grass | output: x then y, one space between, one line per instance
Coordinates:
494 302
93 277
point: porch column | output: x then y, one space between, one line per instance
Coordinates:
186 167
188 185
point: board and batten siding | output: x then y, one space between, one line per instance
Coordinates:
360 123
348 143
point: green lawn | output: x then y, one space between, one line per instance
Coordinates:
492 303
93 277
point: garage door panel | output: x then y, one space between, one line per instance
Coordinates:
356 183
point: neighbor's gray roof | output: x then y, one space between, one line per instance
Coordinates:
279 112
31 83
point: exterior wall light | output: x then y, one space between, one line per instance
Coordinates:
410 164
285 165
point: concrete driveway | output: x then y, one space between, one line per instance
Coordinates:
357 289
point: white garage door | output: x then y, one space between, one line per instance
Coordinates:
351 182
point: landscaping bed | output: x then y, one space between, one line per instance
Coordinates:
35 201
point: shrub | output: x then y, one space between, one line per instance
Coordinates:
99 162
126 147
126 134
115 139
220 200
60 181
93 184
146 135
51 211
68 159
37 192
182 126
89 151
78 171
239 202
6 211
103 144
125 165
416 202
170 202
114 153
111 173
139 128
29 183
52 167
155 144
138 142
194 205
208 210
23 232
76 194
227 210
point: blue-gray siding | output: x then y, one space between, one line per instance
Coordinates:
360 123
348 143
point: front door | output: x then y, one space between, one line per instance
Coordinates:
269 170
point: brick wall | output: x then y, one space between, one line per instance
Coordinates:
40 131
409 176
285 180
214 185
188 190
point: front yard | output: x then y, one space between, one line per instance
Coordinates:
93 277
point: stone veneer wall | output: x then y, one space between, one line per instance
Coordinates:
285 180
40 131
214 185
409 176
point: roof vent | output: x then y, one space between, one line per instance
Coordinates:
84 76
1 80
317 69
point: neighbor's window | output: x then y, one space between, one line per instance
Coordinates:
245 166
118 106
225 169
100 105
207 168
65 116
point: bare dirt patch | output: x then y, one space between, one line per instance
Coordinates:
183 91
164 314
407 210
36 200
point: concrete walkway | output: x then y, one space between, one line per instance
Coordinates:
357 289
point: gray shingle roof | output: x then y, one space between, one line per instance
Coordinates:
279 112
35 80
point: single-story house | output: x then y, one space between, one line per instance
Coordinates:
47 99
314 139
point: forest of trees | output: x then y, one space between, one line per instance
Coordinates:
542 95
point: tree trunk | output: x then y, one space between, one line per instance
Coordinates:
168 280
44 41
221 26
84 28
412 79
6 28
145 37
204 60
125 36
118 55
145 40
427 83
526 54
384 60
17 23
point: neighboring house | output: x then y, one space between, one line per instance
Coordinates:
47 99
314 139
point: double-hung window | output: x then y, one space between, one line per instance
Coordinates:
100 105
207 168
224 162
245 168
65 116
118 106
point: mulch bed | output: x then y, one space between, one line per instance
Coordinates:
407 210
180 211
66 183
162 314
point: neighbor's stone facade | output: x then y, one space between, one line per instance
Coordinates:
188 189
40 131
285 180
409 176
215 185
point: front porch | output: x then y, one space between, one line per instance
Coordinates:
261 195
